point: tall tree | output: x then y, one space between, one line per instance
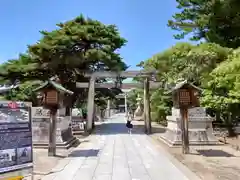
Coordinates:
222 94
183 60
215 21
187 61
81 44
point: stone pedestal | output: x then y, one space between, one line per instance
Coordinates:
77 121
200 128
237 129
40 127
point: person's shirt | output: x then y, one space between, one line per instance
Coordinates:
130 115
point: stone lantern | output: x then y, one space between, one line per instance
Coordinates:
139 110
188 116
52 95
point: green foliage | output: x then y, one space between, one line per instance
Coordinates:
211 66
187 61
24 92
223 88
82 44
215 21
204 65
133 96
160 106
164 61
18 69
222 92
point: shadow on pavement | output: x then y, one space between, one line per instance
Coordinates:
120 128
214 153
60 156
84 153
116 128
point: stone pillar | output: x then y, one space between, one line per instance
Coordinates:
52 133
108 108
147 111
125 104
90 104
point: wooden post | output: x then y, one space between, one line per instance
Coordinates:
52 132
90 104
147 111
184 129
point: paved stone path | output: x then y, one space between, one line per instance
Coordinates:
113 154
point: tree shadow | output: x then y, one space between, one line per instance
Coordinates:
120 128
214 153
76 143
60 156
84 153
116 128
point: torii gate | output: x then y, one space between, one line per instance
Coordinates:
125 74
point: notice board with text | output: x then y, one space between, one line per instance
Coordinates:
16 153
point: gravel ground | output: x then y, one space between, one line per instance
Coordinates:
44 164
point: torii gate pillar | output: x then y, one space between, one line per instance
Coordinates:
108 108
147 111
90 104
125 104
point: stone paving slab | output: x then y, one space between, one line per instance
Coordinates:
113 154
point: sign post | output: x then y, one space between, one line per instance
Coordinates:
184 101
16 153
185 96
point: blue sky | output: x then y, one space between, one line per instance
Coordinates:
141 22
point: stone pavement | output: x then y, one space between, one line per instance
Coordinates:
113 154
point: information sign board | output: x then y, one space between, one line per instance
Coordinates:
15 137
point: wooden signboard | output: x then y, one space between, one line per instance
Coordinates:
184 97
51 97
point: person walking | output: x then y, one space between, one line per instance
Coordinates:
129 124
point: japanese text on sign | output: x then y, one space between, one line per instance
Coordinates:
184 97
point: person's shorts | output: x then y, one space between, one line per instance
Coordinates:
129 126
